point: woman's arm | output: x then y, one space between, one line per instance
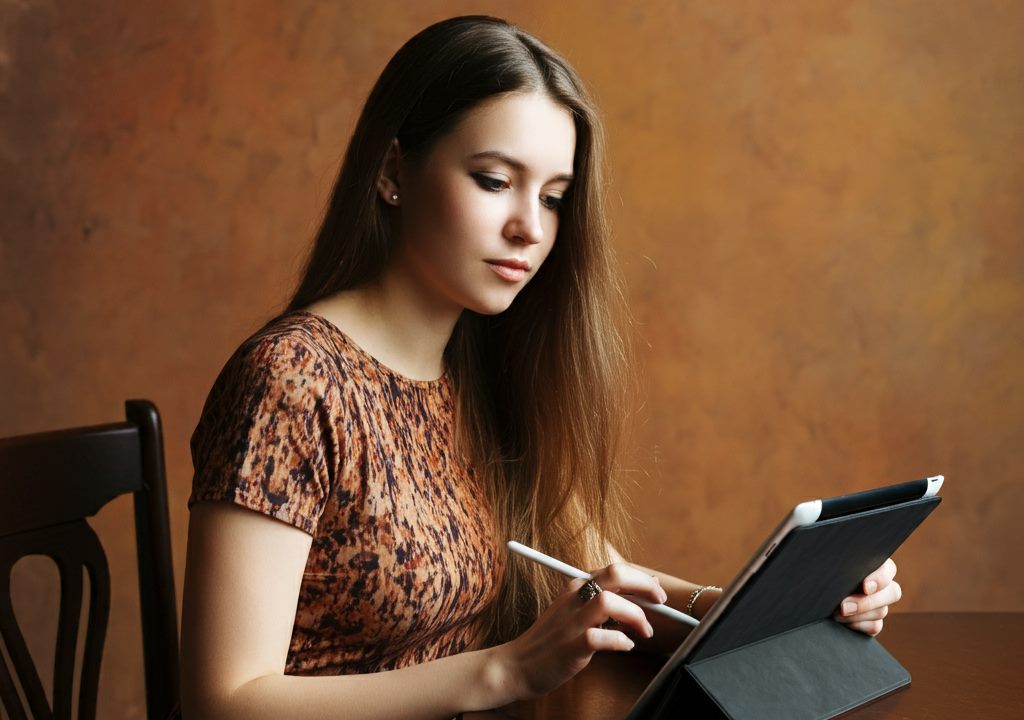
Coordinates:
242 579
243 573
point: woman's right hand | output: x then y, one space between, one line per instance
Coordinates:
566 635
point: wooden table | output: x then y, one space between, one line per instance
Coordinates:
963 665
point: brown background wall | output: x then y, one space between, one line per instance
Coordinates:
818 208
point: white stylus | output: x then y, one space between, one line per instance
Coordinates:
565 569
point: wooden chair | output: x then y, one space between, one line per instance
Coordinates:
49 484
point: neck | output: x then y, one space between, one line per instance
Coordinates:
405 329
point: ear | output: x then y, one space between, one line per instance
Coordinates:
387 183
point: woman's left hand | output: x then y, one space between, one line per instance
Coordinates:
866 612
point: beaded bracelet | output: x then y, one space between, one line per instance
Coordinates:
696 594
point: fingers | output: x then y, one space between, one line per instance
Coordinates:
624 579
866 613
868 627
566 635
876 614
610 605
596 639
615 580
880 590
880 578
851 609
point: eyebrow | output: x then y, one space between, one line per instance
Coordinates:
517 165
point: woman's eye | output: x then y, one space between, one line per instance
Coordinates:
552 202
489 183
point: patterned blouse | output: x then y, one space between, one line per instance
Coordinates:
304 426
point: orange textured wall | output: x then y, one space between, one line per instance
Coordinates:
818 208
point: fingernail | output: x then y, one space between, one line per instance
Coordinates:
664 597
870 586
631 646
650 631
849 608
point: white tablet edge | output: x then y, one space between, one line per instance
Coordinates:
934 484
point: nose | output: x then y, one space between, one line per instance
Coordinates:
524 225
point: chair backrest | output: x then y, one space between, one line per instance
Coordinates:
49 483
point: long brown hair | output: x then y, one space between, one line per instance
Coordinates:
542 386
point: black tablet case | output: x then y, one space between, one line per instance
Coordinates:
776 652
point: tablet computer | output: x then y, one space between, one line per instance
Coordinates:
710 637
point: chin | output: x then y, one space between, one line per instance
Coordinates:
490 309
494 305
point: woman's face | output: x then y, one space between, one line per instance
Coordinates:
479 214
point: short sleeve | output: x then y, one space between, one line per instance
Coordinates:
266 439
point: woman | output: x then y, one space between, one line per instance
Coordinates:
448 376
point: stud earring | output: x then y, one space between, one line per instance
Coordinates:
394 197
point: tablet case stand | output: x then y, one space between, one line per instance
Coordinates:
776 652
816 671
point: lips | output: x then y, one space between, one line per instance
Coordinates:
510 269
